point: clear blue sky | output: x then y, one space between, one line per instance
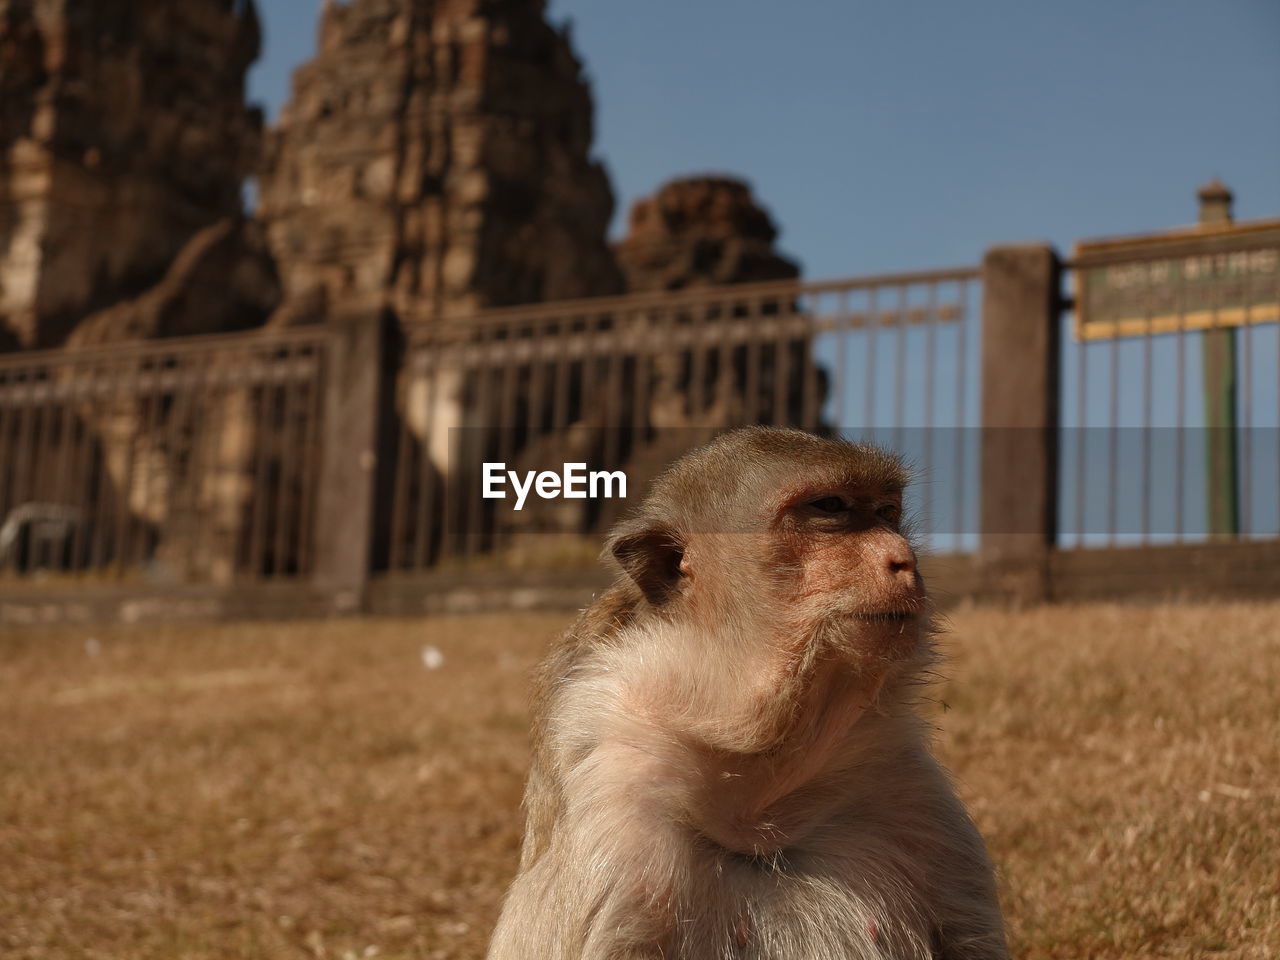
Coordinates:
900 135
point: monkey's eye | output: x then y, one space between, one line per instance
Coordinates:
890 513
830 505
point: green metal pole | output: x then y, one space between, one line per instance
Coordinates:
1218 363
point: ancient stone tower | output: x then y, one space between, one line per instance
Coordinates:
435 157
123 132
699 231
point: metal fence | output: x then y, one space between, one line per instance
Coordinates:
1171 419
180 461
629 383
330 455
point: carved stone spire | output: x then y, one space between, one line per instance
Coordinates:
123 132
436 157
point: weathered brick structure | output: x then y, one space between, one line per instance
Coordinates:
123 132
435 156
697 231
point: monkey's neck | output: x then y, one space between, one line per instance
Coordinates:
784 698
742 739
762 744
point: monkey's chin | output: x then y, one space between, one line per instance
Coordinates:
879 635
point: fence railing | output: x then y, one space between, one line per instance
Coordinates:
185 460
355 452
626 384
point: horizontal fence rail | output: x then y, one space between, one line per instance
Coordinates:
175 461
627 384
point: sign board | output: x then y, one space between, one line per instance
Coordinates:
1214 275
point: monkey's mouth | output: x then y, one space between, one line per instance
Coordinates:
886 616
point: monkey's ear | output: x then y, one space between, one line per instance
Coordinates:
651 557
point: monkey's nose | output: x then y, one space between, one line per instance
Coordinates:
902 564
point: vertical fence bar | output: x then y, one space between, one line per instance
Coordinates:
873 323
808 360
1246 395
665 369
255 554
537 385
507 404
8 450
472 444
1147 404
1180 392
205 431
78 469
728 339
781 364
309 370
962 366
283 547
614 337
182 384
644 340
453 497
126 397
842 332
150 413
1082 430
26 435
427 353
397 548
560 378
1113 438
312 455
587 402
752 359
698 322
41 481
900 367
930 365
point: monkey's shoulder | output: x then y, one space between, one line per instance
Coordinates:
594 627
611 612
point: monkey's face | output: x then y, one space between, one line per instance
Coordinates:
822 565
847 570
781 533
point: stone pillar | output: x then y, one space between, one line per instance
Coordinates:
1021 321
358 380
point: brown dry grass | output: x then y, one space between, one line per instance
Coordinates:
312 790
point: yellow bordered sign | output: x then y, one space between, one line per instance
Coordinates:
1212 275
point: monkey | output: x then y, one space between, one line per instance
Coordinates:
727 759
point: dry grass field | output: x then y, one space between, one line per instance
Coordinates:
314 790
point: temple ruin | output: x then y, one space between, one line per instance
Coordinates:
437 157
124 131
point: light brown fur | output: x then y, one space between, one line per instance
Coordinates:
726 759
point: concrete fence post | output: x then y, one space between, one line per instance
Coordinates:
359 379
1021 322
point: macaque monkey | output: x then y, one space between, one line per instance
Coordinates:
726 759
